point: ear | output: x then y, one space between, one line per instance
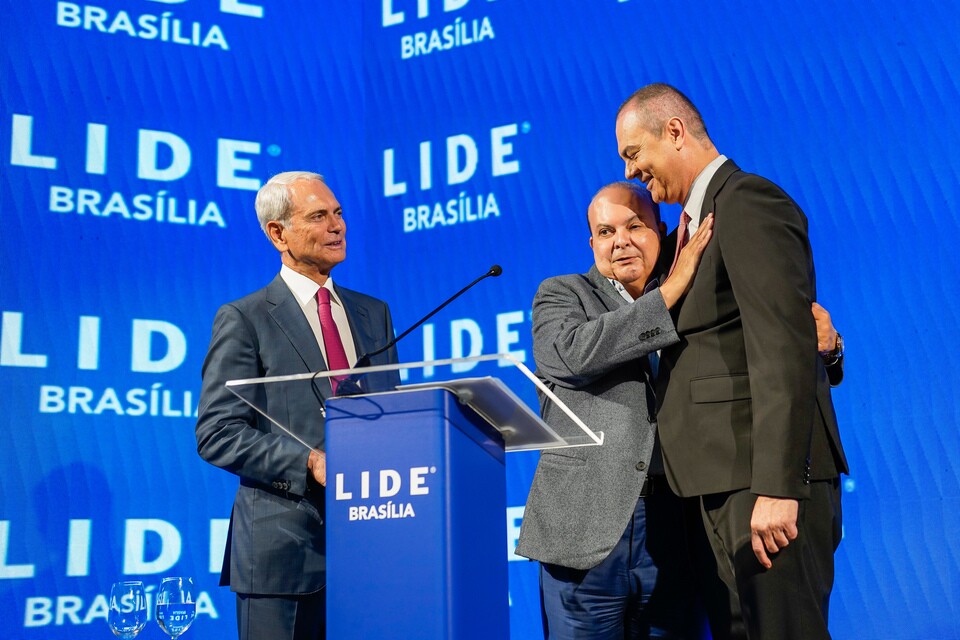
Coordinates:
275 233
676 132
591 242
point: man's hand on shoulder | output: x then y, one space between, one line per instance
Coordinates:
773 526
678 283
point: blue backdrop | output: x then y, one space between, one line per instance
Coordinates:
456 134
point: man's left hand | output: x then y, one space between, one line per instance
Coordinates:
317 466
772 526
826 332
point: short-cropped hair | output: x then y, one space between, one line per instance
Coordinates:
273 201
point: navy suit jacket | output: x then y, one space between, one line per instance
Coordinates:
276 543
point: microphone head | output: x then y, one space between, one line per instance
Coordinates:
349 386
494 271
363 361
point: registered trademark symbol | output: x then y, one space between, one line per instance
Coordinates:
525 127
433 469
273 150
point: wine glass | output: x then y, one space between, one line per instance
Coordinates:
175 607
127 614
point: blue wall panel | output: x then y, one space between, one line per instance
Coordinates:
134 133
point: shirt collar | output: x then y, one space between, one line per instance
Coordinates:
698 190
653 284
303 288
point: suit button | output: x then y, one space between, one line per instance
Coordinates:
641 465
652 418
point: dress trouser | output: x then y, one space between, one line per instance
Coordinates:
791 600
294 617
722 605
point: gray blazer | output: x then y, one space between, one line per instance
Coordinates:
590 347
276 542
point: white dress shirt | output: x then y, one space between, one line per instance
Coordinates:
305 291
698 190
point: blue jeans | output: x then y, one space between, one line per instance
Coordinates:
643 589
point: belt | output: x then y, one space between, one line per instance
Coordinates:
652 484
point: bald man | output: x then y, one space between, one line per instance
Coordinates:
601 520
746 420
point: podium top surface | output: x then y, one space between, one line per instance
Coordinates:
519 426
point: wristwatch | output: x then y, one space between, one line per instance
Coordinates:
834 356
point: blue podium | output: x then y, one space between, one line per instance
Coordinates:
416 538
416 519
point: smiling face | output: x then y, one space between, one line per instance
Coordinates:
312 241
624 236
655 160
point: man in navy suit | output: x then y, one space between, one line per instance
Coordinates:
275 559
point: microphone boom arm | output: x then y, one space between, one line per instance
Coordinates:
494 271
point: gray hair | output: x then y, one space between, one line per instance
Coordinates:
273 201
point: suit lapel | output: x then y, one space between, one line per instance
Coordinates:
361 322
668 246
688 313
720 178
606 292
289 317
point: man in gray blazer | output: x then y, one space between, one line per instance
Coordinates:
275 558
746 419
602 522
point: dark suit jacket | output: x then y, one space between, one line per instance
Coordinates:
276 541
744 397
590 347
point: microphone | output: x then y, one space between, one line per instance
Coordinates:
350 385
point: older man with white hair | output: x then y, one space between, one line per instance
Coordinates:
275 560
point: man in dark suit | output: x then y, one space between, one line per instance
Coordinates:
301 322
745 420
601 520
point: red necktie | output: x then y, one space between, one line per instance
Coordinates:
336 356
683 236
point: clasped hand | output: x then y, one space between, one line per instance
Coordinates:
773 526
